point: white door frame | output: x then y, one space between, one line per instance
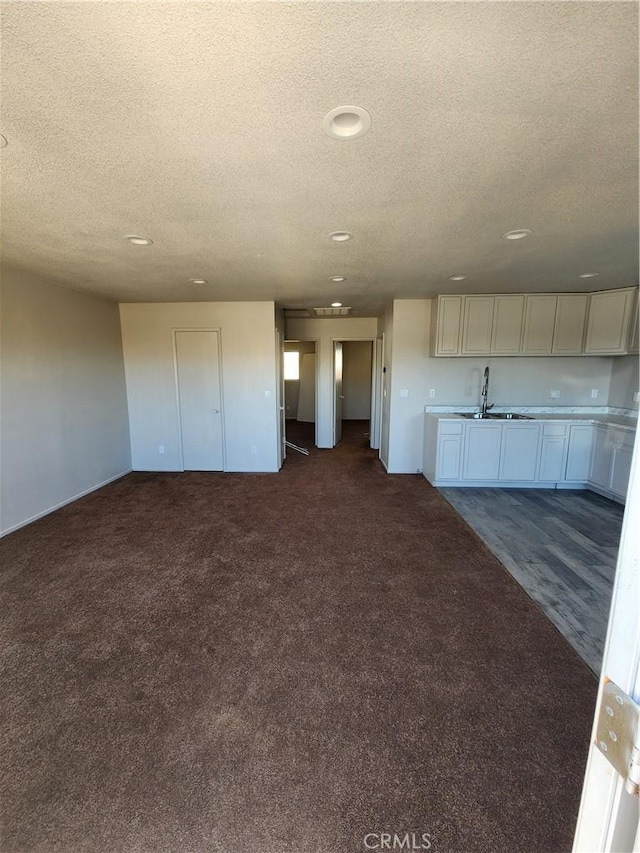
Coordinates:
344 339
316 343
608 817
174 347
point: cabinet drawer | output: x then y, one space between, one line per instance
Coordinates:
450 427
554 429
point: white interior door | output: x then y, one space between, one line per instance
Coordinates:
282 435
608 818
198 370
338 396
376 394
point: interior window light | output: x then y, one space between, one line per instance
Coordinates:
292 365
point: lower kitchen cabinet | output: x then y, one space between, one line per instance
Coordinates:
621 468
482 442
519 451
535 454
611 461
579 453
600 473
553 453
449 451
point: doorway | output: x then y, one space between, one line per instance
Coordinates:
354 388
300 392
197 355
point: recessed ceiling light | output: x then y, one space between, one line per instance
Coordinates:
198 281
518 234
589 274
138 241
457 277
337 278
3 141
336 304
346 122
340 236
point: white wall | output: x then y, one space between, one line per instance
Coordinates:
516 381
624 382
324 332
356 380
64 409
249 376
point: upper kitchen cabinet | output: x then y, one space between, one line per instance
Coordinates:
634 343
477 324
609 322
554 323
448 320
539 323
536 324
506 333
571 316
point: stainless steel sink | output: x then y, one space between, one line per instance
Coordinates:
509 416
502 416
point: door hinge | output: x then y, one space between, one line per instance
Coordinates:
618 734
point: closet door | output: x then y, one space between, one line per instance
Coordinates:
200 400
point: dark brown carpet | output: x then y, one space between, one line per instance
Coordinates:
271 663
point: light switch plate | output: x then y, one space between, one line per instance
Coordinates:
555 395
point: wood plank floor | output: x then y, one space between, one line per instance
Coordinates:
561 547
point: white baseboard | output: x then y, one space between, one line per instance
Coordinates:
63 503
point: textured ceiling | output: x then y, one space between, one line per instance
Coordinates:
198 124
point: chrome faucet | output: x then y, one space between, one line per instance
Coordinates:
485 392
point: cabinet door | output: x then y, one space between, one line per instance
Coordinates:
571 315
482 451
476 326
519 454
602 458
579 453
634 342
539 322
552 458
449 456
621 468
508 312
448 322
609 321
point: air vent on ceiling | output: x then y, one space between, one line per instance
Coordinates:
296 313
332 312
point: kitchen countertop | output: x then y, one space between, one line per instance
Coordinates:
629 423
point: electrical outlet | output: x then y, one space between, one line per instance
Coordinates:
254 449
404 392
555 395
161 448
594 393
432 393
636 397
